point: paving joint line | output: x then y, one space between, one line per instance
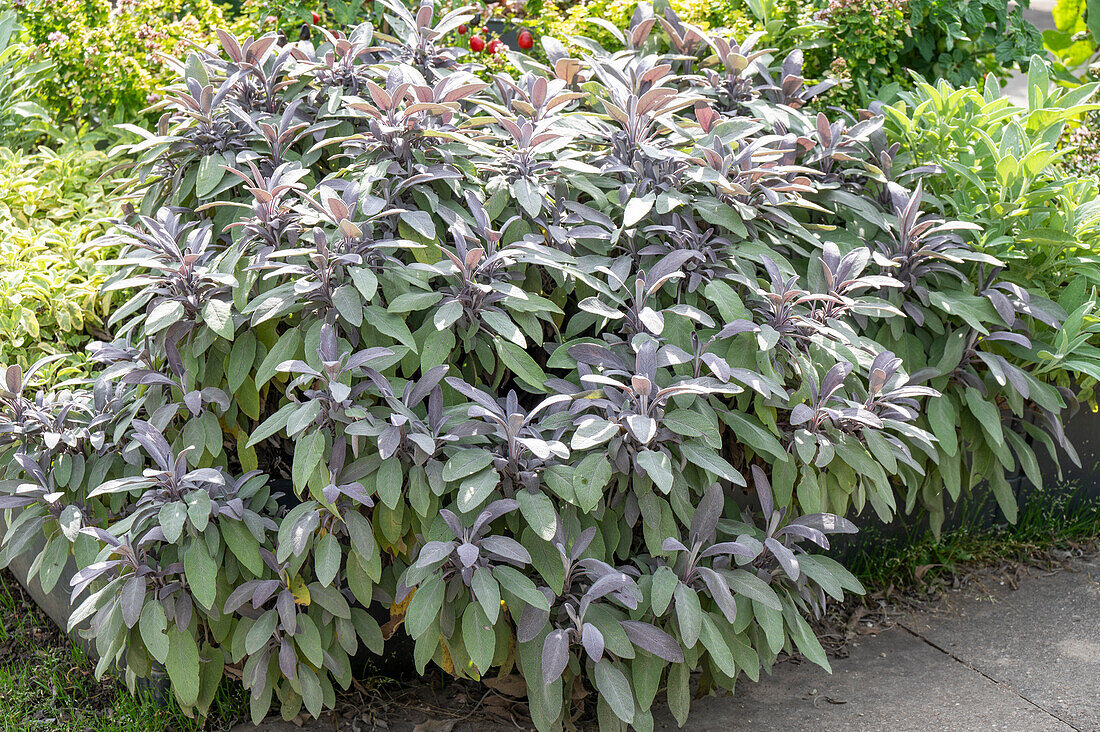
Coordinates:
978 671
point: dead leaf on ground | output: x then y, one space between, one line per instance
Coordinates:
922 570
391 626
856 616
511 685
435 725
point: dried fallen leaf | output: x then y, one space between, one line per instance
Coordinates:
856 616
922 570
511 685
579 692
435 725
391 627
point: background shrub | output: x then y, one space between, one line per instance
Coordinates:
107 57
289 18
1082 142
867 41
962 42
877 45
872 46
20 114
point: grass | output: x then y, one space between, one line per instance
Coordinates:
47 683
1049 522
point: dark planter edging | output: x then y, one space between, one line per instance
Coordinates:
1083 432
57 607
55 603
1078 484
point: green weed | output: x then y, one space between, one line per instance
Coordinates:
1048 521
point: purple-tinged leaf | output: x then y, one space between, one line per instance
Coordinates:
736 548
720 592
506 548
805 532
288 659
131 600
468 554
763 491
287 607
827 523
434 551
555 655
707 513
592 640
531 622
652 639
786 557
672 544
239 597
492 512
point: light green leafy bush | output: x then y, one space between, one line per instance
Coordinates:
1003 167
998 167
20 80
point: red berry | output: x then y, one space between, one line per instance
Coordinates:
525 40
486 30
462 29
477 44
316 17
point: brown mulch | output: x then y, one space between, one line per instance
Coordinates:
435 704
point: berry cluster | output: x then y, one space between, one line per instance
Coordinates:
493 46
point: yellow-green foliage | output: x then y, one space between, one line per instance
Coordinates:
731 14
552 20
51 207
565 21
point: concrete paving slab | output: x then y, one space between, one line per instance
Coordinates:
1039 13
894 681
1042 641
